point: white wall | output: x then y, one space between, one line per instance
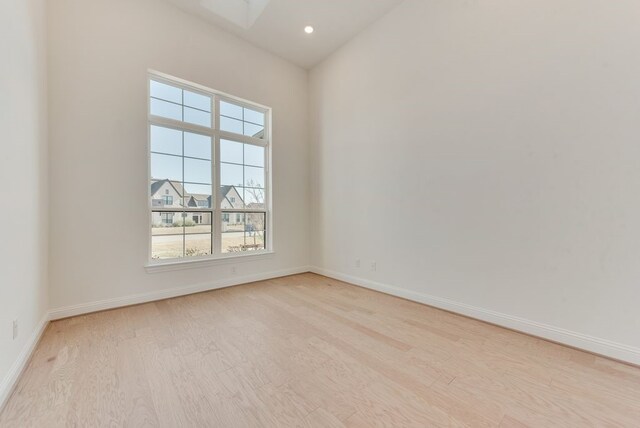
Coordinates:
488 153
23 174
482 152
100 52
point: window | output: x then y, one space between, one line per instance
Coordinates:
208 176
167 218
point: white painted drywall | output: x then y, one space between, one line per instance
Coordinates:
23 174
488 152
100 52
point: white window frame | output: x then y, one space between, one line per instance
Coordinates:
216 134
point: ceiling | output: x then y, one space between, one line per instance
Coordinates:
278 25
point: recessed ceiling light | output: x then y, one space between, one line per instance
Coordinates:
308 29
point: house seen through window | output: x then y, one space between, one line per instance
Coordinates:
209 173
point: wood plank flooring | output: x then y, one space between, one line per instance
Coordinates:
308 351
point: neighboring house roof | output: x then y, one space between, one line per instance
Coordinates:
226 190
194 199
225 195
156 185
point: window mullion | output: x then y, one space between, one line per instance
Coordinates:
176 124
243 138
184 213
217 227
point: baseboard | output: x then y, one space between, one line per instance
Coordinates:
11 379
595 345
134 299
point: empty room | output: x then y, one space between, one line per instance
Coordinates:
320 213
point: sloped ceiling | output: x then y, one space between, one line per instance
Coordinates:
278 25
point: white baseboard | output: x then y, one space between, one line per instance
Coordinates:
11 379
134 299
578 340
592 344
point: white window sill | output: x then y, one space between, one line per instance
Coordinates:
177 264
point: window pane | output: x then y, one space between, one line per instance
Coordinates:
241 120
243 232
231 198
254 198
197 171
166 92
230 125
166 194
254 177
232 232
166 140
167 247
197 189
231 175
166 223
197 223
178 220
253 116
197 195
197 234
253 155
167 240
254 222
254 232
254 241
166 109
166 167
197 245
230 151
252 130
201 102
230 110
197 117
197 146
197 201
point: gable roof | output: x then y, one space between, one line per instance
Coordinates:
157 184
225 192
194 199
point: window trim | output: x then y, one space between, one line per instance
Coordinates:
155 265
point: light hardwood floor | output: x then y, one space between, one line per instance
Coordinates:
310 351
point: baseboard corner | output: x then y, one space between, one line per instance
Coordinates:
13 375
